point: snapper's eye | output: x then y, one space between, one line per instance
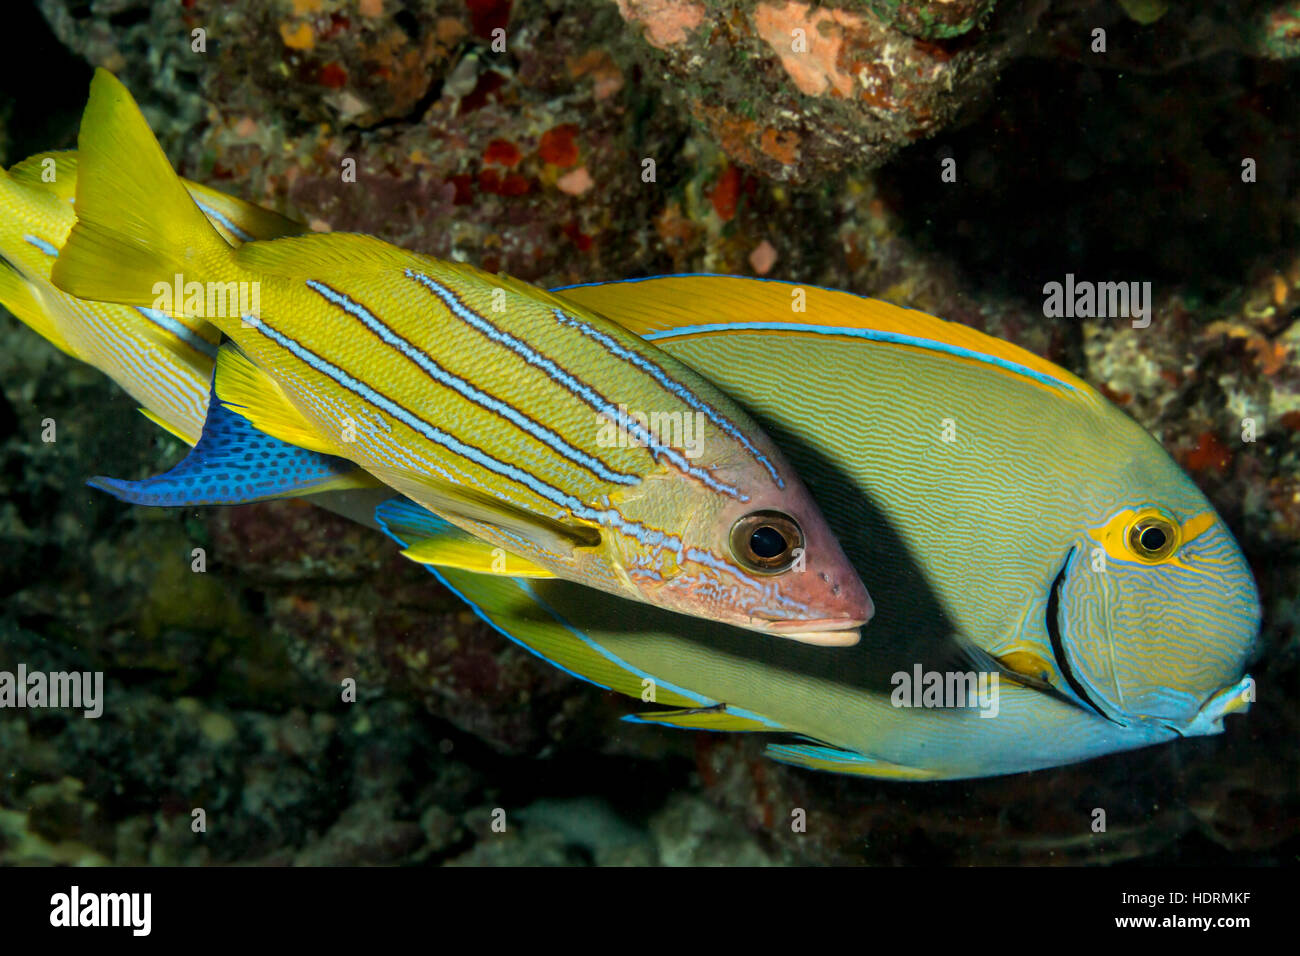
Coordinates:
1153 536
766 541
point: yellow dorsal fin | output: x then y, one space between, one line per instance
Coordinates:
456 549
681 306
23 299
322 255
249 392
35 171
241 221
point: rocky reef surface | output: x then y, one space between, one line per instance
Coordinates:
568 140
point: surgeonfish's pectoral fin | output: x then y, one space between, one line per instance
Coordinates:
233 463
972 657
833 760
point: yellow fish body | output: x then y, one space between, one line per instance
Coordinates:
525 420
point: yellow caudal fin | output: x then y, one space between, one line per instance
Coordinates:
454 548
23 299
136 224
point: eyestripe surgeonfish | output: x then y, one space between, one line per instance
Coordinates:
532 424
983 551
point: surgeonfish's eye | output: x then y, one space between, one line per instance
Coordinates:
766 541
1153 535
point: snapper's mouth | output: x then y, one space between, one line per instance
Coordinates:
831 632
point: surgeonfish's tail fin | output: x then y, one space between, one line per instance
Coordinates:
136 224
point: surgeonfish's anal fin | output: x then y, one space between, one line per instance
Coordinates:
136 223
813 756
234 463
703 718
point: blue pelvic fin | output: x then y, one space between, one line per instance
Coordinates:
233 463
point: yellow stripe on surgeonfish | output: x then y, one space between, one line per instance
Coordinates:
525 420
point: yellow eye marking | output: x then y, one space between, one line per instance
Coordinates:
1149 536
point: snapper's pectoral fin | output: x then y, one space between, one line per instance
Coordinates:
457 549
431 540
480 515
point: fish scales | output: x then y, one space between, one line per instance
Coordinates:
384 335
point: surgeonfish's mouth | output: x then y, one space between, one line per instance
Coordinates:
1231 700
